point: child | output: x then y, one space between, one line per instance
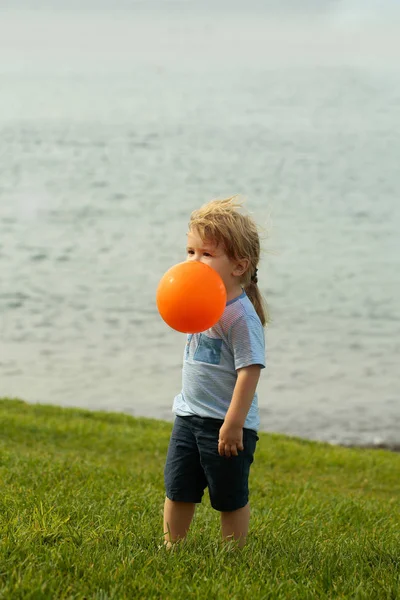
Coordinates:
215 431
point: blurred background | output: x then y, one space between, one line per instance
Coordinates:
118 118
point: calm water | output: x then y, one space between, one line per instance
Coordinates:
115 125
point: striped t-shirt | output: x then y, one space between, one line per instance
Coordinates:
212 357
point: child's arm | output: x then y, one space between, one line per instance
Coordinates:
231 432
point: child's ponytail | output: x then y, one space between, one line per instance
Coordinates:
253 292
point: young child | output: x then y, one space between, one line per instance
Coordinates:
215 430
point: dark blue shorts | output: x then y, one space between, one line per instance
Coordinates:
193 463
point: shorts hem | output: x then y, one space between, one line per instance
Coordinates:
236 505
177 497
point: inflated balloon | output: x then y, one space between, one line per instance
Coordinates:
191 297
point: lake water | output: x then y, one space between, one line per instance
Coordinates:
115 125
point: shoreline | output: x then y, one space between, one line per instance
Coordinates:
389 447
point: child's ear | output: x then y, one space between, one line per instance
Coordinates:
241 267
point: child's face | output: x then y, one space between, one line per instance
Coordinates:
215 256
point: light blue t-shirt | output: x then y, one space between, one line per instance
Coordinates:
212 358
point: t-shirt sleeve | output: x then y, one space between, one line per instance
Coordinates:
247 342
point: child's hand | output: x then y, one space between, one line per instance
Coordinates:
230 440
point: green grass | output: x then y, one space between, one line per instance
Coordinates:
81 500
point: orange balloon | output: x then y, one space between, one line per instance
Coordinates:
191 297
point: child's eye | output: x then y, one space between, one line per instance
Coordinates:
190 251
206 254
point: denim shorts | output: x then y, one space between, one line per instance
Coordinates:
193 463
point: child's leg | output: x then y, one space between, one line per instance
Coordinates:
177 519
184 478
235 524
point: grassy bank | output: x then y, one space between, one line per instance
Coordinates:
81 511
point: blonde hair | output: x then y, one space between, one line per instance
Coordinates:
221 222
